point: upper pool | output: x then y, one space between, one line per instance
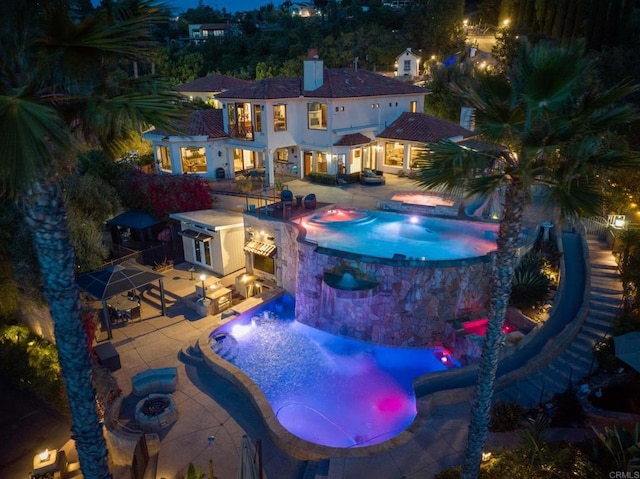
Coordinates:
394 235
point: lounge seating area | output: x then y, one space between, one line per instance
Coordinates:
371 177
159 380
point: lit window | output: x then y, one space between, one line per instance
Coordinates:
194 159
164 158
393 153
413 106
317 116
280 118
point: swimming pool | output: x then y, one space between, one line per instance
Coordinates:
323 388
393 235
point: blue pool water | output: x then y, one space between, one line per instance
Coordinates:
323 388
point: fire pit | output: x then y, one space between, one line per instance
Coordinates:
156 412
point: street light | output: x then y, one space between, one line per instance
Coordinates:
204 291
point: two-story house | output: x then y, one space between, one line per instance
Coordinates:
324 122
334 121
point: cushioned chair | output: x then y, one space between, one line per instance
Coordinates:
310 201
286 197
370 177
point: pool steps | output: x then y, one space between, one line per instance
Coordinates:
225 346
191 354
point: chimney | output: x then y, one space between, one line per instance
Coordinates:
313 71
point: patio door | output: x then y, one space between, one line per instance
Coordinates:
307 163
202 252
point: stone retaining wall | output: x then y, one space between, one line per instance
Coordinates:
412 302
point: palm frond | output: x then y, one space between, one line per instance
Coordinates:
31 135
122 31
578 197
446 163
549 75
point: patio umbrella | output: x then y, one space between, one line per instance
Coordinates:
248 469
627 349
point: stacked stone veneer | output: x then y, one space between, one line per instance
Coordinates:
410 305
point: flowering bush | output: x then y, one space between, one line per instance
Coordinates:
161 195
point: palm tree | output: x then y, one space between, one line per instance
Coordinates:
553 131
61 87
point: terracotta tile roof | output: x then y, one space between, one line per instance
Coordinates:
267 89
212 83
353 140
337 83
198 123
423 128
348 82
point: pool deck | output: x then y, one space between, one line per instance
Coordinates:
208 405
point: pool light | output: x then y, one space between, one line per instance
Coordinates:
413 220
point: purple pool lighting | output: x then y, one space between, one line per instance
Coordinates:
323 388
383 234
479 327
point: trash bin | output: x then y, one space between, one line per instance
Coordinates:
220 174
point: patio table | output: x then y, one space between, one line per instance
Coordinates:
124 306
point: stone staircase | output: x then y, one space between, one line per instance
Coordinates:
577 361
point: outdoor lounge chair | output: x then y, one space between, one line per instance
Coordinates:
370 177
286 196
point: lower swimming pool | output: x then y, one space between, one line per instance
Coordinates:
323 388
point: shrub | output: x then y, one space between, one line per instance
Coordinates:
322 178
530 286
505 416
29 362
568 410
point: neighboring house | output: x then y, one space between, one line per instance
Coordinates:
198 146
403 142
201 32
337 121
408 64
206 88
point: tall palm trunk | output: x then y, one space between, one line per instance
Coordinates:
47 219
505 258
